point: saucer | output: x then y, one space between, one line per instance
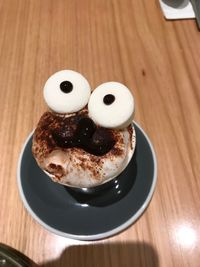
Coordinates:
184 11
65 212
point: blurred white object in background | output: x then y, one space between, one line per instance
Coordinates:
177 9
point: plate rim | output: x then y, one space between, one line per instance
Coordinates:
98 236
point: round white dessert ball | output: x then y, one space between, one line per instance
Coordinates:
111 105
66 91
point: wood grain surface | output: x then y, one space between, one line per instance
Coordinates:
126 41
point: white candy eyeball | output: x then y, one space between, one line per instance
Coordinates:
66 91
111 105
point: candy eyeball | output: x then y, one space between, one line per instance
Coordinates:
111 105
66 91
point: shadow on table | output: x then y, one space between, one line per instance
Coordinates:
103 255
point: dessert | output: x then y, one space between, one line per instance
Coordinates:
85 139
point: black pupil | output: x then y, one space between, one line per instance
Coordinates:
108 99
66 87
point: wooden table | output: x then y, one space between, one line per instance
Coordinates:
126 41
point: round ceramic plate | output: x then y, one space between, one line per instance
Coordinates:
89 217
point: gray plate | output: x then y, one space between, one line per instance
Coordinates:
89 217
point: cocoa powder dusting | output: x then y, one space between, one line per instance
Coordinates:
58 131
56 170
44 143
130 130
